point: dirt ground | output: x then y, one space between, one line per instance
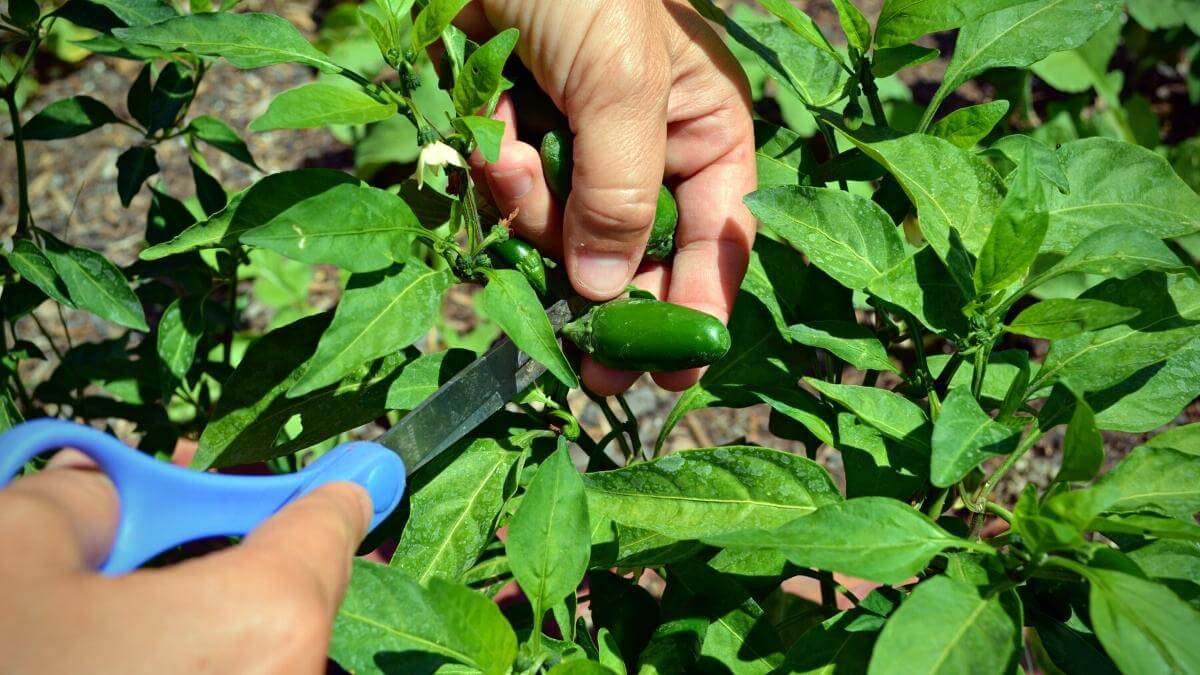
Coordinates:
71 186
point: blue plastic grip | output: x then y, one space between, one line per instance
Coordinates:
163 506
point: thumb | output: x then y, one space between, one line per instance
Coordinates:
617 106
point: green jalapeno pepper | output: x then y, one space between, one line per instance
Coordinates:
648 335
558 164
525 258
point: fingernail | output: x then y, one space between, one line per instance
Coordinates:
511 185
604 274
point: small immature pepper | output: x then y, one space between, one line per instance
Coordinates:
649 335
558 164
525 258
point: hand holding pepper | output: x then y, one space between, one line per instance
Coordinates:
650 92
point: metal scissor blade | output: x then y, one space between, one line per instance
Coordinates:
467 400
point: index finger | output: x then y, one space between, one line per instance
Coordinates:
60 519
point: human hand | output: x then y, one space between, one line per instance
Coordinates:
266 605
649 91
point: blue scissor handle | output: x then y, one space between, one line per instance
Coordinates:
163 506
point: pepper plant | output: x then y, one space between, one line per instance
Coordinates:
932 296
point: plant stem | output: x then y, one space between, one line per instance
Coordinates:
997 510
828 590
232 308
918 339
615 424
943 380
937 505
14 113
631 425
871 92
979 499
982 355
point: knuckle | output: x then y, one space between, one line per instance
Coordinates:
624 214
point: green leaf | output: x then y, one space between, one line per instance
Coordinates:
137 99
952 189
895 416
1152 396
1017 234
850 238
810 67
1146 524
380 313
1118 251
851 342
1159 479
1114 183
548 544
854 25
247 40
964 436
1077 70
1060 318
1070 643
481 76
1158 14
800 406
173 89
693 493
254 206
1185 439
800 23
675 645
902 21
1021 36
946 626
1176 564
736 634
179 333
357 228
319 104
1049 163
922 286
874 538
9 415
966 127
782 156
33 265
890 60
487 132
434 18
67 118
388 623
875 465
510 301
453 516
1083 447
837 645
24 12
1143 626
254 407
422 377
134 166
138 12
95 284
221 136
209 192
1095 361
581 667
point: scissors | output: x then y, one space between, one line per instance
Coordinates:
163 506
